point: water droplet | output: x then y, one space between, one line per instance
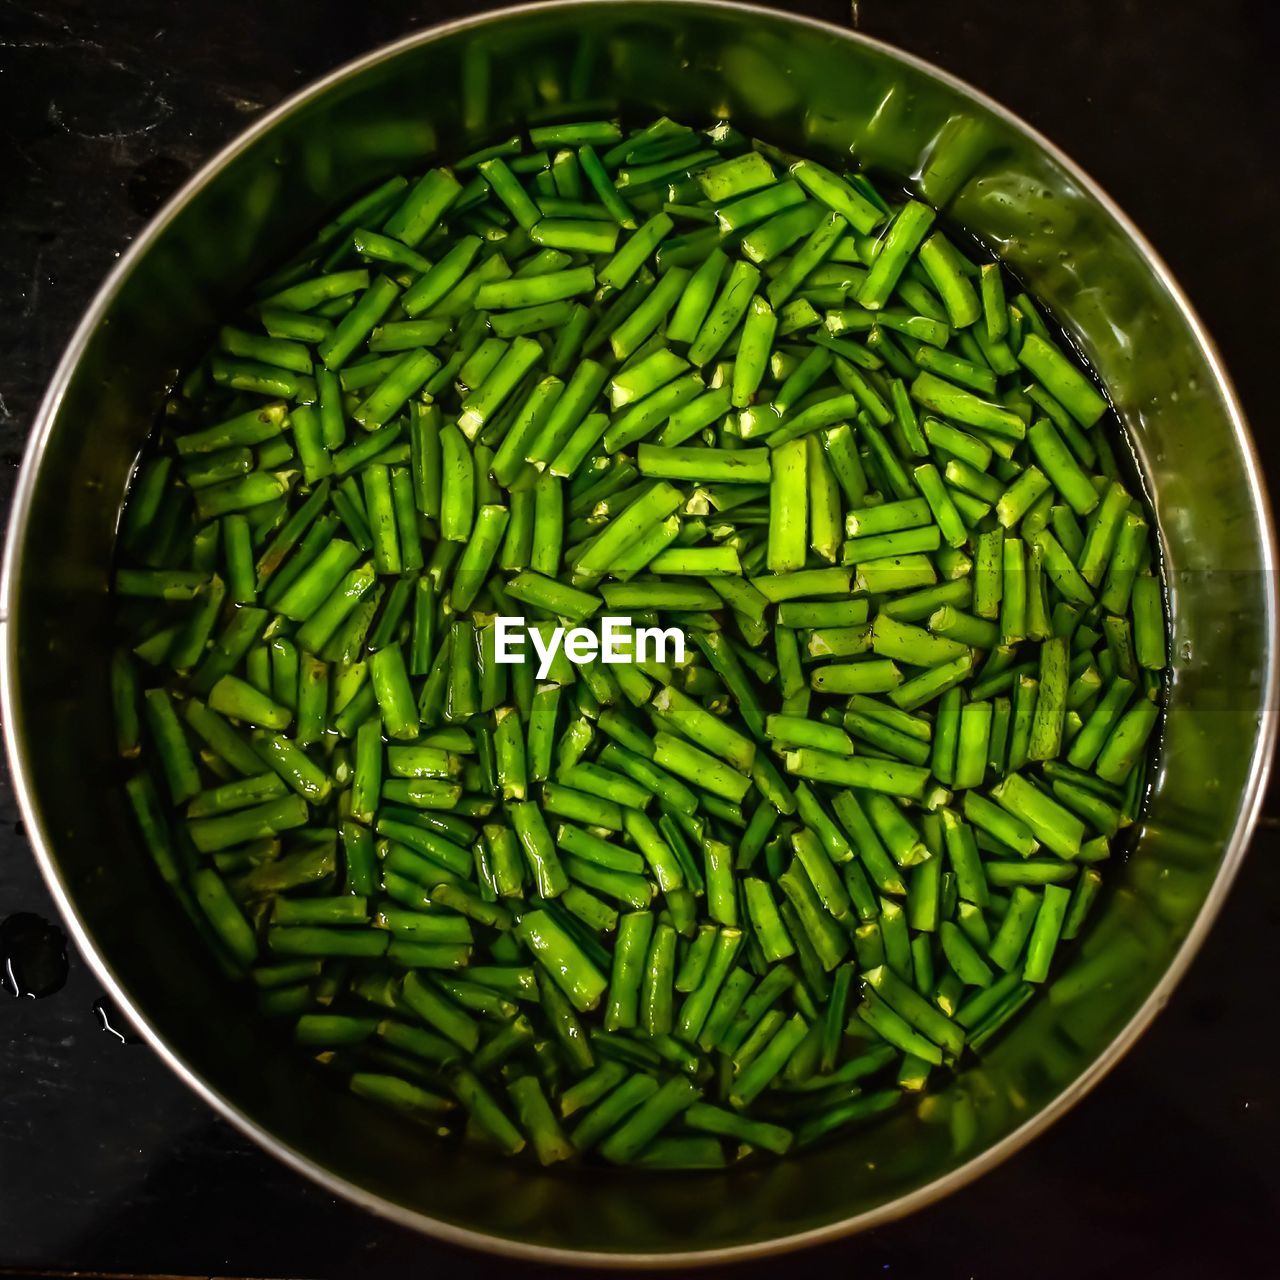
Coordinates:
112 1021
1184 651
33 955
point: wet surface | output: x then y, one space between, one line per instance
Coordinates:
33 956
109 1164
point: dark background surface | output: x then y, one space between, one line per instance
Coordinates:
109 1165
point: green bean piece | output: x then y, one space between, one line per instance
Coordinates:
767 1064
565 962
613 1109
536 1117
725 313
619 270
695 302
728 1124
539 850
649 1119
1147 604
635 930
1124 744
1062 379
752 359
176 758
837 195
225 918
920 1013
1045 933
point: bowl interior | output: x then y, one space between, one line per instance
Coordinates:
806 87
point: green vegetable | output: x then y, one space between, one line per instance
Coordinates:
725 895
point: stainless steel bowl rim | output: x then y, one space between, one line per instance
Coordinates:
1251 799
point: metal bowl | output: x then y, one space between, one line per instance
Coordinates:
818 90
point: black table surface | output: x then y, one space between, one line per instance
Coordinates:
109 1165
